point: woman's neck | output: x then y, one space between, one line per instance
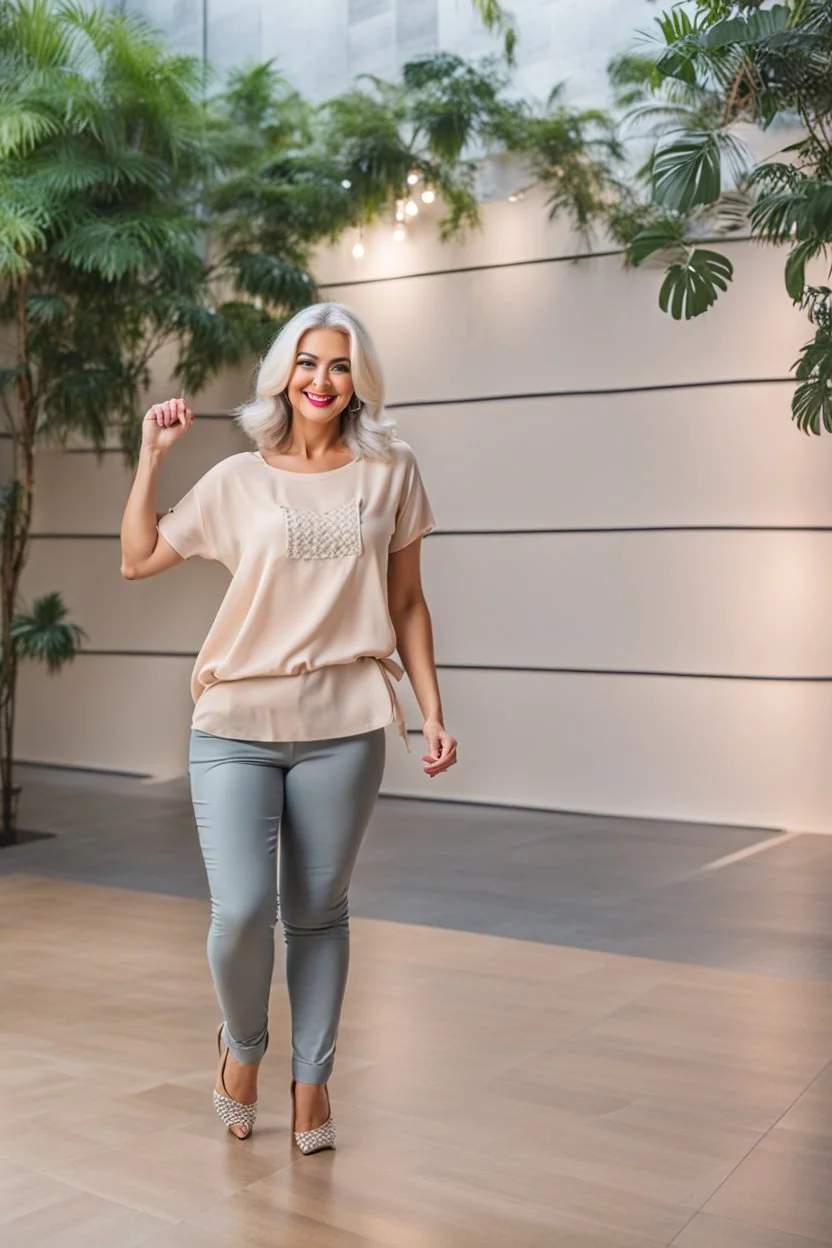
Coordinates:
310 442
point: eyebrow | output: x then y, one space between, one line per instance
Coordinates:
342 359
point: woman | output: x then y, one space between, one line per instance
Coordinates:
320 528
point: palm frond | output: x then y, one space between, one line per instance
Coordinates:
46 309
23 127
498 21
84 397
812 404
230 334
45 635
115 248
270 278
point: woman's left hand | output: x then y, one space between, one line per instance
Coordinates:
442 748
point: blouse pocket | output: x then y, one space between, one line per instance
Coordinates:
334 534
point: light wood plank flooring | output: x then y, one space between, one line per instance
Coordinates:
488 1092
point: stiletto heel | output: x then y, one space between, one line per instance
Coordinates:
319 1138
233 1113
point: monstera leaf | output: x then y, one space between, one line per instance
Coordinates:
690 288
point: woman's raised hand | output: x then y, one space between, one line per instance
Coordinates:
165 423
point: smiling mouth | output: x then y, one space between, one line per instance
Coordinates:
319 400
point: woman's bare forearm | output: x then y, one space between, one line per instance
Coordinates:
138 526
414 642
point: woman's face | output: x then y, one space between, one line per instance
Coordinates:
321 386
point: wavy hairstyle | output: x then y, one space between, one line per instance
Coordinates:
267 419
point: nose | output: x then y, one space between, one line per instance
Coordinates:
322 383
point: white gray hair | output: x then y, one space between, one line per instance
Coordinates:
267 419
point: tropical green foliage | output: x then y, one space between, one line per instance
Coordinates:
101 152
44 633
716 64
571 153
265 199
445 115
379 133
297 175
500 22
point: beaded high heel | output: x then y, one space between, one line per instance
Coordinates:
319 1138
233 1113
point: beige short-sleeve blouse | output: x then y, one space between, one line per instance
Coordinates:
300 647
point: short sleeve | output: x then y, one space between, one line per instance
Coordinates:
184 527
414 517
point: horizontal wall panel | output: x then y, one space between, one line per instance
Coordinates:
575 327
721 455
724 455
170 612
709 751
705 751
82 493
725 603
732 603
115 713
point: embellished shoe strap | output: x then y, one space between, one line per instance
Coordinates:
318 1138
234 1113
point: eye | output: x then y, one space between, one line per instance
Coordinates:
305 364
342 368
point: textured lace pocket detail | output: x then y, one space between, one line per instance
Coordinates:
332 535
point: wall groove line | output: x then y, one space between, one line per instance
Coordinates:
597 392
537 671
587 531
571 258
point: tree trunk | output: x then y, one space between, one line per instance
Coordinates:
9 831
17 521
8 597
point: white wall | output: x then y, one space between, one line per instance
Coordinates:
323 45
630 584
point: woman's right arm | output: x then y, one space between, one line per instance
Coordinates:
144 552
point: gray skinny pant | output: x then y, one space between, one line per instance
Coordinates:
315 799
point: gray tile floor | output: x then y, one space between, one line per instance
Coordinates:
615 885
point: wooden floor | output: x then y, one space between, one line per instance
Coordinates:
488 1092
